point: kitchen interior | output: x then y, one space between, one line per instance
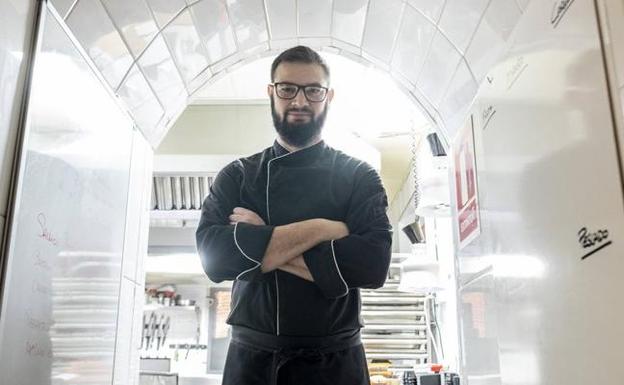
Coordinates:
508 280
184 335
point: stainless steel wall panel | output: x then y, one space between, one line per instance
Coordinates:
124 348
539 299
16 19
59 307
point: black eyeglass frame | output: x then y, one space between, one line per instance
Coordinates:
299 88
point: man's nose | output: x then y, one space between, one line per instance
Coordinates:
300 99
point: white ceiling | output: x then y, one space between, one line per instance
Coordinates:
155 54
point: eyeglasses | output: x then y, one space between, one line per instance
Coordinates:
289 91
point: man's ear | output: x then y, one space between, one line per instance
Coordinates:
269 90
330 95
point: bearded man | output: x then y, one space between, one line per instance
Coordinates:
299 227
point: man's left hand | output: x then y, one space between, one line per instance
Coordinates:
240 214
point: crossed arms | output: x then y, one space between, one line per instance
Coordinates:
235 243
289 242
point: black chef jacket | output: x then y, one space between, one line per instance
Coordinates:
282 188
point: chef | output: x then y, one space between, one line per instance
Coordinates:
299 227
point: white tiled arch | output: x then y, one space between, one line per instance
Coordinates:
156 53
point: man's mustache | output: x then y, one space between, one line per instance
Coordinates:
299 110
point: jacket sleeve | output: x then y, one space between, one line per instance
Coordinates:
227 251
362 259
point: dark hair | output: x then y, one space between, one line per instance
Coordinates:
299 54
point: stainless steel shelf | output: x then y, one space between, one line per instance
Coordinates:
395 326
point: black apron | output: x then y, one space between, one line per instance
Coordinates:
256 358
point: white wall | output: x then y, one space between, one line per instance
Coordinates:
220 129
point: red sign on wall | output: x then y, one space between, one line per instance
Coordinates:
466 195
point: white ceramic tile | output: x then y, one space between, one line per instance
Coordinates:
186 47
282 16
440 65
249 22
460 19
430 8
214 27
348 20
163 75
135 22
314 17
382 24
165 10
414 40
91 25
489 40
458 98
62 6
140 100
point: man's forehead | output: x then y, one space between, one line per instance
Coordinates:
300 73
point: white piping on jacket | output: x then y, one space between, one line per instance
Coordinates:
277 323
337 268
246 256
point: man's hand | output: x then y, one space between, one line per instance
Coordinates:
297 267
244 215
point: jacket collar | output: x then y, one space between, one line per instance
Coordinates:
306 153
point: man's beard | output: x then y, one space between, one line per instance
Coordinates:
298 134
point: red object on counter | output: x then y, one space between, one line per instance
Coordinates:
436 368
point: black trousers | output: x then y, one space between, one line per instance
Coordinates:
256 358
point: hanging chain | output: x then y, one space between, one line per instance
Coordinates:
415 150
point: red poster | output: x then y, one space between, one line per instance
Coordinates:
466 195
